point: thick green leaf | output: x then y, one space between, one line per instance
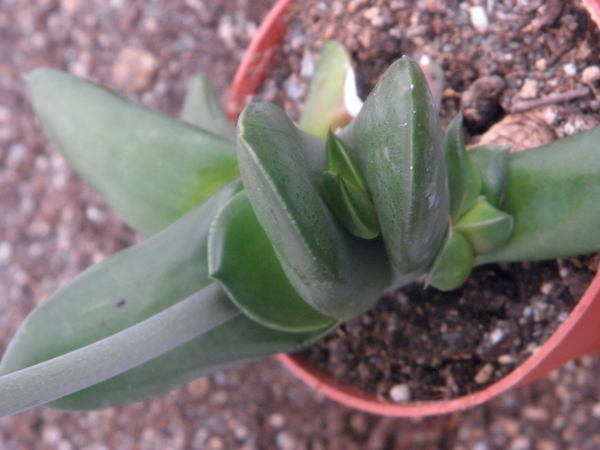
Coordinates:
243 261
236 342
463 177
397 142
332 100
345 191
351 205
150 168
336 273
491 160
553 193
202 109
485 227
121 291
453 264
65 374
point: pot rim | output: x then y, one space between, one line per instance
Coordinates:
578 335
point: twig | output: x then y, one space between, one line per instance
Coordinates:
526 105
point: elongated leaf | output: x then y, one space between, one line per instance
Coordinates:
237 341
332 100
86 366
201 108
150 168
121 291
243 261
553 193
397 143
464 179
336 273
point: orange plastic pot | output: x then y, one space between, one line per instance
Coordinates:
579 335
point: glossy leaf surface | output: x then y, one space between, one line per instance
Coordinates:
464 180
243 261
397 143
552 192
151 169
336 273
202 109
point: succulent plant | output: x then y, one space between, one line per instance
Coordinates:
264 239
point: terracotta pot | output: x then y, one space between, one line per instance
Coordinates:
578 335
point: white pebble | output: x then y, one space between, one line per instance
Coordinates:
570 69
596 410
591 74
479 18
400 393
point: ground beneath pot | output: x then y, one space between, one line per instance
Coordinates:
52 226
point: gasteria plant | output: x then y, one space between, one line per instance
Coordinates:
325 217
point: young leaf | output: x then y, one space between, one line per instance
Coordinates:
453 264
397 143
552 192
345 191
336 273
351 205
485 227
463 177
491 160
332 100
202 109
242 260
150 168
120 291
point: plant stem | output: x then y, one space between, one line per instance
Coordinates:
89 365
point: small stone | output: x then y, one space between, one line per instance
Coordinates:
484 374
70 6
134 69
535 414
591 74
5 252
546 445
596 410
373 15
546 288
479 18
199 388
284 441
215 443
400 393
506 360
529 89
541 64
520 443
359 424
570 69
276 421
